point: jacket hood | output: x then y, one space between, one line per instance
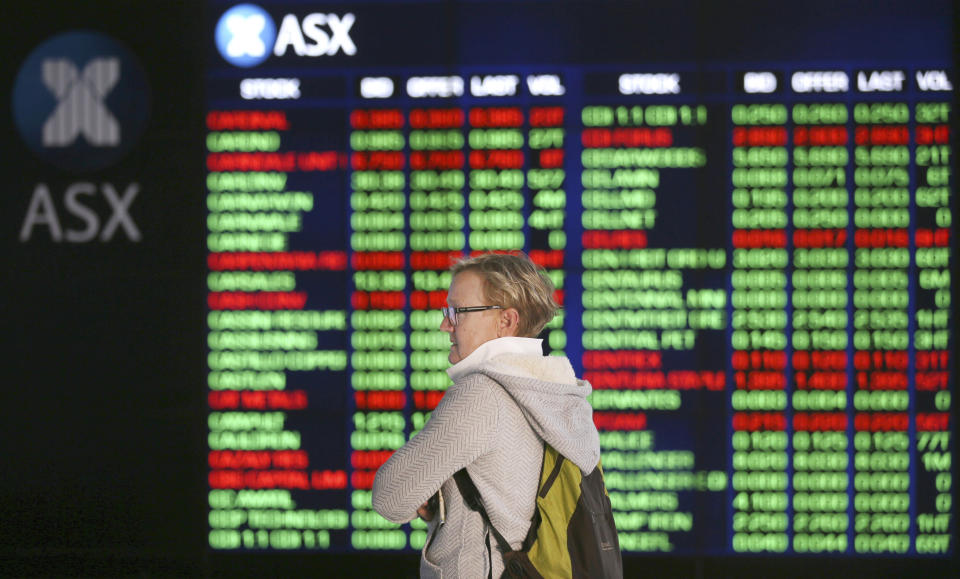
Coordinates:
554 402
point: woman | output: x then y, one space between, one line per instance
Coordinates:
506 400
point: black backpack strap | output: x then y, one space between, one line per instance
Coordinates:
472 497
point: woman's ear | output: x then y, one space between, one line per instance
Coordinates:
509 323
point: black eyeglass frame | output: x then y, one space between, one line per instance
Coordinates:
451 313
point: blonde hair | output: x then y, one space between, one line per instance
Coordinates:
514 281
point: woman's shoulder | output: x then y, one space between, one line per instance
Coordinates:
479 385
479 393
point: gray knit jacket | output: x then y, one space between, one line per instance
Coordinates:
493 422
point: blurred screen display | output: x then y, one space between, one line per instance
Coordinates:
747 217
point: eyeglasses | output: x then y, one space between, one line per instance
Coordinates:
451 313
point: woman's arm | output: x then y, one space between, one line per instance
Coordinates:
460 429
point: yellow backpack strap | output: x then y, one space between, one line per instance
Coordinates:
549 553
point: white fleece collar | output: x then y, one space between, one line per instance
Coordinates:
493 348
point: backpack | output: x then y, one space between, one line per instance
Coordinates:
572 533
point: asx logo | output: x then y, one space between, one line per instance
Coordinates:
246 35
81 101
81 91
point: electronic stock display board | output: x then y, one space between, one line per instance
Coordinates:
747 216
